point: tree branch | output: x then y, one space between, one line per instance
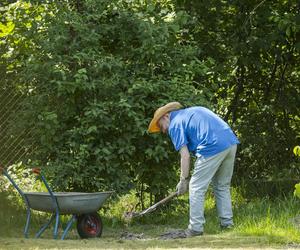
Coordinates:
234 104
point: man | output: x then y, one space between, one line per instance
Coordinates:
199 131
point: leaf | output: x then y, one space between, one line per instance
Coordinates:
297 190
92 129
296 150
297 46
175 27
7 29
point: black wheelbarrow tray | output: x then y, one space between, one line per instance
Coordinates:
82 206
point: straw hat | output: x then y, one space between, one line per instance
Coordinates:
160 112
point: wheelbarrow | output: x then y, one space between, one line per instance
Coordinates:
82 207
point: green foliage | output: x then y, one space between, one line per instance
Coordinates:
100 71
20 22
93 73
255 47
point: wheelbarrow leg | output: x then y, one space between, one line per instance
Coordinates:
27 222
55 204
43 228
55 232
69 225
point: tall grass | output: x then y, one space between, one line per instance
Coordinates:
11 218
274 218
278 219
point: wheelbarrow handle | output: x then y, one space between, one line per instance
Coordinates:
36 171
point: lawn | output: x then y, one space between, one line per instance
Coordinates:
108 241
260 223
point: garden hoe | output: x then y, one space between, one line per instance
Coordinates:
132 214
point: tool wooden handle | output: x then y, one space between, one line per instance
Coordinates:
153 207
36 171
130 215
169 197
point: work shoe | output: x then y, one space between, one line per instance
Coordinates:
191 233
179 234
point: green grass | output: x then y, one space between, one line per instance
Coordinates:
260 223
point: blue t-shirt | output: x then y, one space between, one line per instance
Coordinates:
202 131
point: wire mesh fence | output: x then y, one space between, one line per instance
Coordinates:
14 146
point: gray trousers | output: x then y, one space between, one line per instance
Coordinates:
217 169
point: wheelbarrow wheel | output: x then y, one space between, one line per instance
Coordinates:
89 225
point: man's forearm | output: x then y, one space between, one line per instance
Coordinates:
184 162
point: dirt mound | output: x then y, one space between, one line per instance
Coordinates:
173 234
132 236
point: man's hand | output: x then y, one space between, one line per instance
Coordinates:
182 186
